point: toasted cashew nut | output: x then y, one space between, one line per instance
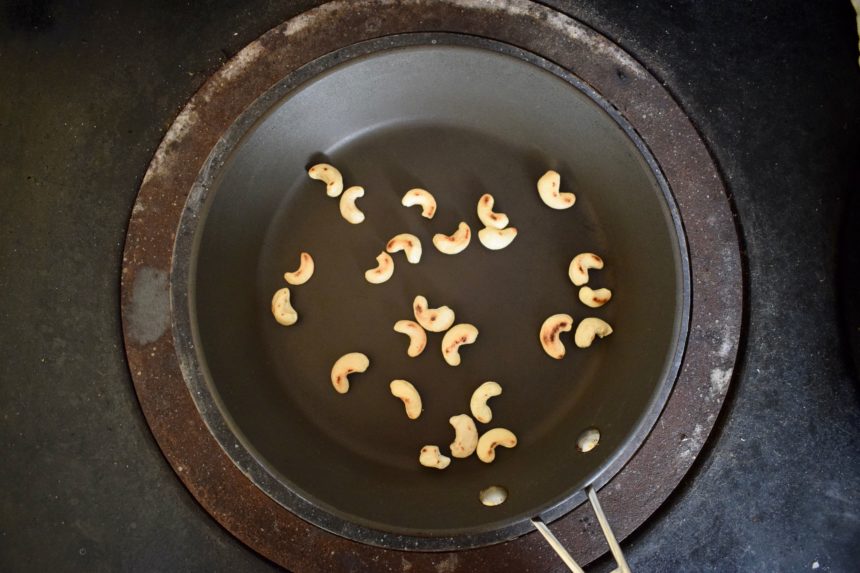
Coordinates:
431 457
578 270
453 244
304 272
588 329
496 239
548 187
346 365
416 334
594 298
348 210
329 175
465 438
420 197
486 214
550 334
455 338
383 270
411 398
478 404
408 243
282 310
492 438
432 319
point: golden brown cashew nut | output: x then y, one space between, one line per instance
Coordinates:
431 457
348 210
455 338
594 298
304 273
423 198
497 239
282 310
486 214
346 365
408 243
416 334
455 243
432 319
329 175
588 329
550 334
478 404
404 390
383 270
491 439
465 438
548 187
578 269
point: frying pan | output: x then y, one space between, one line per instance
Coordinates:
459 121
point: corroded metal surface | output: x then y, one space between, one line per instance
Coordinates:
645 482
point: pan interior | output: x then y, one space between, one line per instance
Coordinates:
460 122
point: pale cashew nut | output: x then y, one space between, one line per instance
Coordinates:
466 436
423 198
453 244
416 334
411 398
408 243
348 210
496 239
548 187
594 298
455 338
550 334
329 175
346 365
478 404
578 270
431 457
304 273
282 310
432 319
383 270
491 439
588 329
486 214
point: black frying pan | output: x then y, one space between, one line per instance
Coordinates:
458 121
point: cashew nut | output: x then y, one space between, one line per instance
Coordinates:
578 270
550 334
432 319
431 457
348 210
588 440
411 399
304 272
346 365
416 334
492 438
455 338
495 239
486 214
465 438
594 298
329 175
383 270
453 244
478 404
548 187
423 198
588 329
282 309
408 243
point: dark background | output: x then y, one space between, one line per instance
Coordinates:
87 90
